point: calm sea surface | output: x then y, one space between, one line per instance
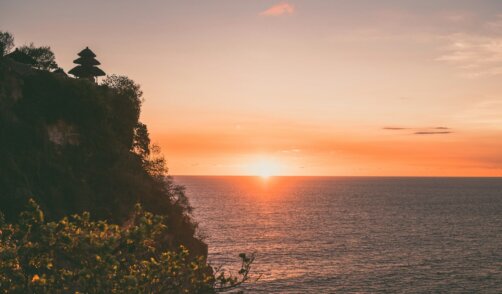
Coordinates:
326 235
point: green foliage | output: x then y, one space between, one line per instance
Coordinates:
78 255
43 56
6 43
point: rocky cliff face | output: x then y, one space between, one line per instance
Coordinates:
70 145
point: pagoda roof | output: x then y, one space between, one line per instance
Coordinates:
86 71
21 57
86 61
86 53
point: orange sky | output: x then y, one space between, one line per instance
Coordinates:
318 87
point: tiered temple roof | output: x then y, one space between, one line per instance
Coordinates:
87 66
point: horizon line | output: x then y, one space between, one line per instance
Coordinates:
332 176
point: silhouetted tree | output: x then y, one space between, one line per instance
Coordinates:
43 56
6 42
125 87
141 142
126 100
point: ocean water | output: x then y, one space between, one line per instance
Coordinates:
346 235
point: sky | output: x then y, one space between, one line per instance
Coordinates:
300 87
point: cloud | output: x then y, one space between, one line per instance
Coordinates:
432 133
422 131
474 55
282 8
394 128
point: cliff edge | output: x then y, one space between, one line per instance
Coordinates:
75 146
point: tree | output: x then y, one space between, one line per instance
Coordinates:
141 142
126 88
126 104
43 56
6 43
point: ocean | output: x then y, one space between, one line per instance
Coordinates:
354 234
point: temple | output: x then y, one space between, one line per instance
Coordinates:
21 57
87 66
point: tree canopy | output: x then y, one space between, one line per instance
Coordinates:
6 43
43 56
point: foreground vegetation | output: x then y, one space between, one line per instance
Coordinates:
78 255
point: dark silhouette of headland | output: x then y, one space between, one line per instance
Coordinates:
76 146
86 202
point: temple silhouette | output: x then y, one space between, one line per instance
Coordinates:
21 57
87 66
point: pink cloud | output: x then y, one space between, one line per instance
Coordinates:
279 9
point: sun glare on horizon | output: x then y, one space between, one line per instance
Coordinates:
265 168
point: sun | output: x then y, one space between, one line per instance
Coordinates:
264 172
265 168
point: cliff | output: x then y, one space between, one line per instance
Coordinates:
76 146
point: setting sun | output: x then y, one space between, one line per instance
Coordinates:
265 168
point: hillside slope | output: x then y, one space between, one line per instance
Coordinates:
76 146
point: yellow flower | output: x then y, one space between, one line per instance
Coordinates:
35 278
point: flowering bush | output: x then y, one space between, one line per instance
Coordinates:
79 255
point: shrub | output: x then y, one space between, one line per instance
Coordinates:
78 255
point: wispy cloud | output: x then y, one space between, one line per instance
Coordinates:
394 128
422 131
474 55
432 133
282 8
